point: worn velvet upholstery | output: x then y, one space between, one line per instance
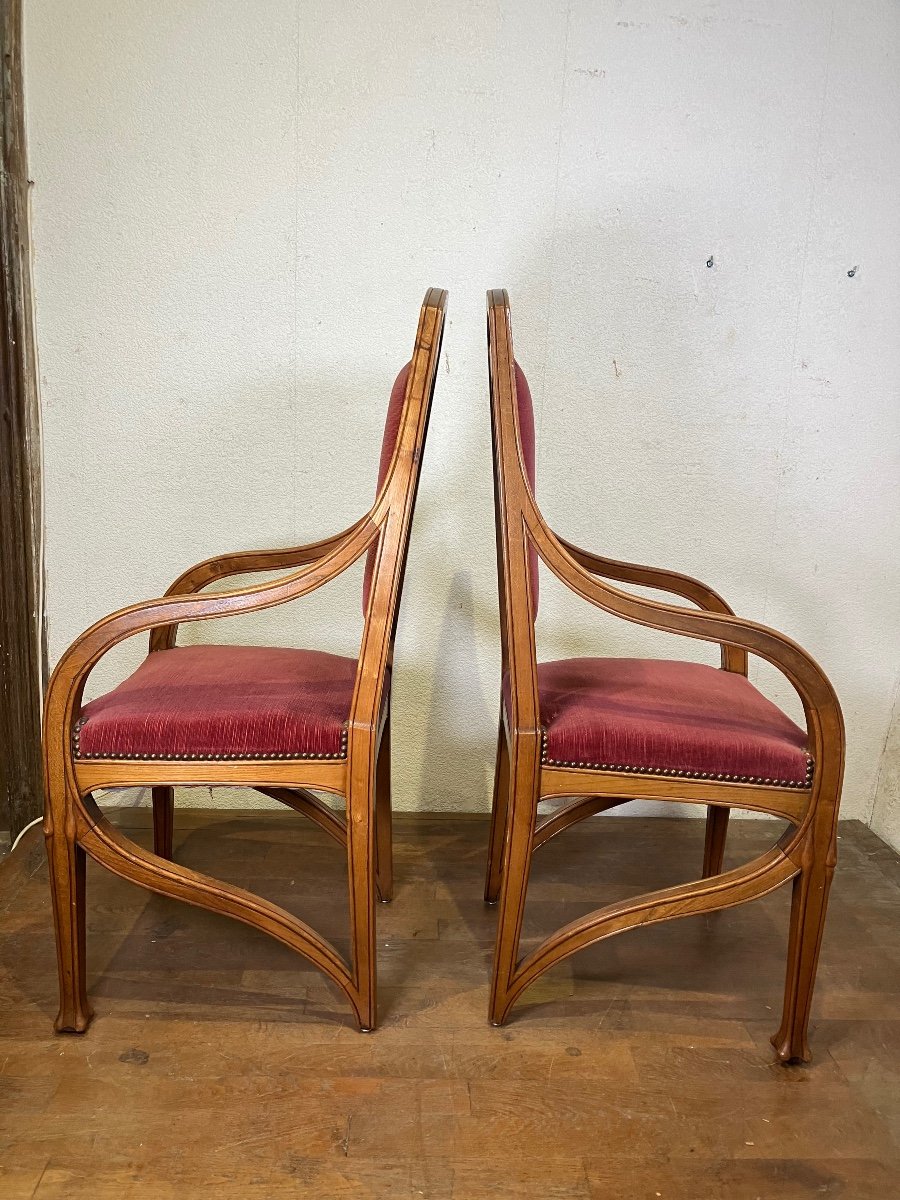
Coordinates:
650 714
388 445
228 701
527 443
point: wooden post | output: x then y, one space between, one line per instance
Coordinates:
22 643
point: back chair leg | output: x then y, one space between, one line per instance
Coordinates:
499 809
808 908
517 851
716 833
67 884
384 850
163 821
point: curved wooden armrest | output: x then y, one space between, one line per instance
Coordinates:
823 712
244 562
67 684
734 658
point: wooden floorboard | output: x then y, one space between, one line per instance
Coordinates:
219 1064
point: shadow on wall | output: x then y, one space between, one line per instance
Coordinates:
664 424
451 772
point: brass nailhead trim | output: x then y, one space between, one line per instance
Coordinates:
76 749
676 774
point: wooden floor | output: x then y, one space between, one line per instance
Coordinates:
218 1065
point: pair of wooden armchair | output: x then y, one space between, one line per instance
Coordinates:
291 723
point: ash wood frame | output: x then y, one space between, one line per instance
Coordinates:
806 853
74 826
23 660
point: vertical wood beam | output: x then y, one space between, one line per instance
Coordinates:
22 641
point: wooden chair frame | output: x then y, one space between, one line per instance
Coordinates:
807 851
74 825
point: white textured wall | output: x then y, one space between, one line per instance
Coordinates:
214 180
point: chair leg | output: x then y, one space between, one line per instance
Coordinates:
499 809
163 821
808 908
67 885
384 850
361 838
716 833
517 851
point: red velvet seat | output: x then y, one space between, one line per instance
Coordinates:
667 718
224 702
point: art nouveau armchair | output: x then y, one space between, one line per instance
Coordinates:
602 731
281 721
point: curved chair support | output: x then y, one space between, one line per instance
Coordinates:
748 882
119 854
570 814
303 801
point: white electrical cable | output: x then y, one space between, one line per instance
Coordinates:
30 825
120 793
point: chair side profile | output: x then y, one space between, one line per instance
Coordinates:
588 731
279 721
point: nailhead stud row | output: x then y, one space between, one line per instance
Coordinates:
342 753
676 774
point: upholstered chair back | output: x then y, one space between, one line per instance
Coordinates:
392 424
527 448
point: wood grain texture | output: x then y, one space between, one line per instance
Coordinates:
220 1060
22 649
805 853
74 825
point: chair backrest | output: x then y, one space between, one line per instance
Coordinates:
512 425
405 430
388 446
527 451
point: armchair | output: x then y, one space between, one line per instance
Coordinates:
284 722
600 732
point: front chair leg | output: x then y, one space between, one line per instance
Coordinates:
499 809
163 821
716 833
808 907
384 850
67 885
